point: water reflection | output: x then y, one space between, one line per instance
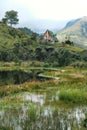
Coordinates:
33 117
36 98
14 77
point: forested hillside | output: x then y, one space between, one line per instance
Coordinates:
17 45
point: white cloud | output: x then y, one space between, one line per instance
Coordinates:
47 9
57 9
30 11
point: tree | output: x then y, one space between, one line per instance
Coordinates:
4 20
11 17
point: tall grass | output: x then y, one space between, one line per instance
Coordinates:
74 96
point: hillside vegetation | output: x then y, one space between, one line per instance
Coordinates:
9 36
18 45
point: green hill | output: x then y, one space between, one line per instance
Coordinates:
76 31
16 45
9 36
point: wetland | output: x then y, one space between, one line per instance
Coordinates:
30 103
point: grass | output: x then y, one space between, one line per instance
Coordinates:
72 84
74 96
68 92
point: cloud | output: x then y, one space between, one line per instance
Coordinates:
46 9
31 11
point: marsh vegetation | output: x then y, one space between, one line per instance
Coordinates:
46 104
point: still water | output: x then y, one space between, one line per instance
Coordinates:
15 77
36 116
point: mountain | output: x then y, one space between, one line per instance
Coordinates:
76 31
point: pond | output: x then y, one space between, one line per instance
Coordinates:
33 117
20 76
15 77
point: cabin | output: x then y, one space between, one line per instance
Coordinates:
48 36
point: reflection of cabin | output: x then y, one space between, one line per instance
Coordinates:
48 36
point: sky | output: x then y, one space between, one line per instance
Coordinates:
39 14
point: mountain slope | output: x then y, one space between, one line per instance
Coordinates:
76 30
